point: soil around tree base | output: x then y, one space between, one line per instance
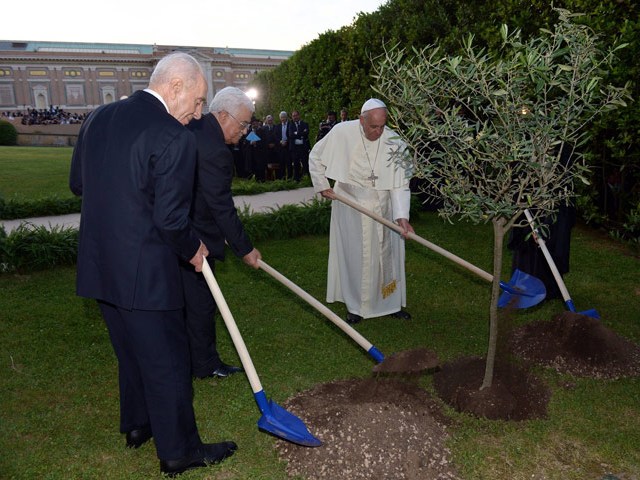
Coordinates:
515 394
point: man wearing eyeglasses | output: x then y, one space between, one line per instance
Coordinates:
215 219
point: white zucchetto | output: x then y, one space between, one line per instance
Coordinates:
372 104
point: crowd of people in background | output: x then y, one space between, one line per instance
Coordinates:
46 116
273 151
268 151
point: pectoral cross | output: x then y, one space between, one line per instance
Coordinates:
373 177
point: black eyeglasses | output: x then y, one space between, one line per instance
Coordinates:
244 125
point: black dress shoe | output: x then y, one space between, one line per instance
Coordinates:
207 454
136 438
352 318
402 315
225 370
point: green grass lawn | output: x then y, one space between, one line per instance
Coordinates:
59 402
35 182
32 173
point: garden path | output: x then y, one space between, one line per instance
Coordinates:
260 203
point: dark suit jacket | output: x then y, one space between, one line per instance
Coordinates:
297 134
268 135
213 213
134 165
278 133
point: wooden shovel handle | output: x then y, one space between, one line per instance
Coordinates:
232 327
469 266
341 324
545 251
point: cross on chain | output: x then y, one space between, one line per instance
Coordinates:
373 177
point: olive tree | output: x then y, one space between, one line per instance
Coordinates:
486 130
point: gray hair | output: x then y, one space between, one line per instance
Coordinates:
177 64
230 99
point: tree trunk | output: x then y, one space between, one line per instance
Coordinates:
498 240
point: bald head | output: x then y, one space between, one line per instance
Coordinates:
179 79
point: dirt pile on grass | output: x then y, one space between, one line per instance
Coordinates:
578 345
379 429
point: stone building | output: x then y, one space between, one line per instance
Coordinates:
78 77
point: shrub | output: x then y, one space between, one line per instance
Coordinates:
288 221
8 134
12 209
31 248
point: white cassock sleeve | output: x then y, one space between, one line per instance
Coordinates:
401 202
317 171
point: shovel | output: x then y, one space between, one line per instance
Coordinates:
554 269
341 324
411 361
526 289
275 419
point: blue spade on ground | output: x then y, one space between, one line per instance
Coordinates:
523 290
275 419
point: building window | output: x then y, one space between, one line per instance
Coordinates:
40 96
7 95
108 94
75 94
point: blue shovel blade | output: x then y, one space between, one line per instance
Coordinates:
525 289
592 312
281 423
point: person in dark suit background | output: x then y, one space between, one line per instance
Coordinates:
134 165
215 219
253 150
299 146
281 136
268 153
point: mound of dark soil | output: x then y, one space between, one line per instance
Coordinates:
576 344
408 362
371 429
383 428
515 394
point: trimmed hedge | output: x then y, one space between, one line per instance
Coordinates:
14 210
31 248
8 134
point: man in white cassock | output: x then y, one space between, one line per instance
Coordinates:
370 166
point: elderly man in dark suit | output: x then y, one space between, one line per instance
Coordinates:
281 136
299 147
134 165
215 220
